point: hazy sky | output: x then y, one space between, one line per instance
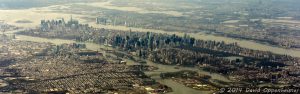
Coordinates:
20 4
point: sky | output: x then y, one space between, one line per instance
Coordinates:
24 4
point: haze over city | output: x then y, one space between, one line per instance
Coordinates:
149 46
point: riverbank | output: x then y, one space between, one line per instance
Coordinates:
94 46
203 36
162 68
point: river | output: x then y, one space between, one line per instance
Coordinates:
35 17
203 36
178 88
29 14
97 47
36 14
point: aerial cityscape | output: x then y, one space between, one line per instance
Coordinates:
149 47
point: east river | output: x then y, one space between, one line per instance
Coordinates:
177 88
36 14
